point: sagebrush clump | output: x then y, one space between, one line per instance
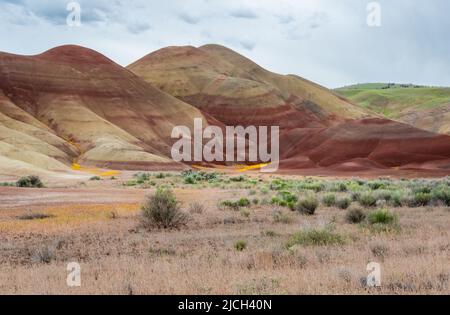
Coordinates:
367 200
316 237
142 177
285 199
355 215
161 210
329 200
240 245
383 220
343 203
382 216
192 177
34 216
235 205
196 207
43 255
421 199
280 217
442 194
30 182
307 206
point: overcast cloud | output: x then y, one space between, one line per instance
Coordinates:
326 41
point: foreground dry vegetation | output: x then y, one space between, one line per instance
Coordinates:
210 233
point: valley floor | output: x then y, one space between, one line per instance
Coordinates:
97 224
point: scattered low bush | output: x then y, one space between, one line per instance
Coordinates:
35 216
30 182
244 202
285 199
278 184
229 204
240 245
379 250
341 186
190 180
375 185
280 217
245 213
315 186
269 233
383 195
367 200
383 220
329 200
307 206
238 179
277 201
162 210
337 187
161 252
442 195
43 255
95 178
421 199
192 177
355 215
381 203
398 199
316 237
421 189
343 203
355 195
235 205
382 216
113 215
142 177
196 207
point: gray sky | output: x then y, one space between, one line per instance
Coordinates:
326 41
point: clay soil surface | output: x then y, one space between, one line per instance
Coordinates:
98 225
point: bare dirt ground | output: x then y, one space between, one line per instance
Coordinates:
98 226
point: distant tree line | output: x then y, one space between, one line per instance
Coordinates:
403 86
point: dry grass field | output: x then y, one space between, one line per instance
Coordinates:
241 236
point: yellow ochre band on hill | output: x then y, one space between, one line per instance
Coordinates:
95 171
237 168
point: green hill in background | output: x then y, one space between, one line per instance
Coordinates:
424 107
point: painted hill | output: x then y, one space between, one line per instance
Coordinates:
420 106
72 104
72 108
319 129
235 90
